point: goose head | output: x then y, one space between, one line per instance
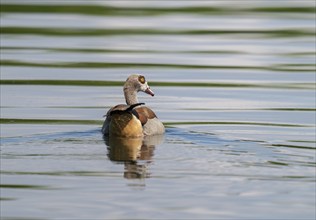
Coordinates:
135 83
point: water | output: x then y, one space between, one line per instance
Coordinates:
234 84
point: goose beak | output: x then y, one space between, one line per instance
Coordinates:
149 91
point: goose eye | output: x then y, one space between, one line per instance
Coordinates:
141 79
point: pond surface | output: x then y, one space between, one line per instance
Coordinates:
235 88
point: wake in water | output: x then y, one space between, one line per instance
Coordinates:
172 134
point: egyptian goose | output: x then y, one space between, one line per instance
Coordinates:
142 115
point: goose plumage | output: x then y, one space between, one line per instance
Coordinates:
132 119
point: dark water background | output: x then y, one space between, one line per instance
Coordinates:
234 84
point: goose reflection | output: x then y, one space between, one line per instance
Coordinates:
135 153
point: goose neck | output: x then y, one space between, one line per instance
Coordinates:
130 95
